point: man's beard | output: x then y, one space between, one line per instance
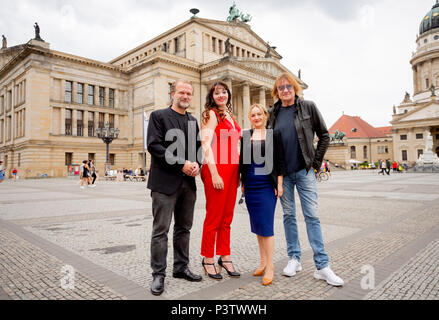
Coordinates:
183 105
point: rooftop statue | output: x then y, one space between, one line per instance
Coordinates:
4 42
37 32
234 14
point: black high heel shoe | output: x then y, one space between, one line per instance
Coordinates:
230 273
215 276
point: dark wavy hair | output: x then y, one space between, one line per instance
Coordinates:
211 105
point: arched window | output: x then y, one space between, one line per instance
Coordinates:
353 153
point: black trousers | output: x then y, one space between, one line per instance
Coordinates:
180 204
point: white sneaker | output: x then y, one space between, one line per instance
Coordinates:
329 276
292 267
92 186
82 187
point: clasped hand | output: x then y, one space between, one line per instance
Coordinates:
191 169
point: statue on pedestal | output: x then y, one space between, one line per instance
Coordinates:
433 91
4 42
228 50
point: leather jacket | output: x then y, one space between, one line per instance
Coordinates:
308 122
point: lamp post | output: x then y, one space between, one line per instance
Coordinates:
107 134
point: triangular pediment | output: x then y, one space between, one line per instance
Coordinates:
428 111
239 31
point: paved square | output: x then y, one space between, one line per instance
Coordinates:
387 224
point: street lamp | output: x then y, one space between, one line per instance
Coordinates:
107 134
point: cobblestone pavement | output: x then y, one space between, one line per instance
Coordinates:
385 227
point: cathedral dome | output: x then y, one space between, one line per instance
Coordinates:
431 20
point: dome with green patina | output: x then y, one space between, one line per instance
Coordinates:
431 20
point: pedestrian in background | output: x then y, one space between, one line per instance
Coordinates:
2 172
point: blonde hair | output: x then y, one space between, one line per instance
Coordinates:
260 107
291 80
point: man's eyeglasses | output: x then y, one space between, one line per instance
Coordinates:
282 88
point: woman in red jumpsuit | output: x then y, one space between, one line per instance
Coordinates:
220 175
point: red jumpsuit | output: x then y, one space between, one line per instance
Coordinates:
220 204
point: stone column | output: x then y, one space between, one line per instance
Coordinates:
246 105
415 80
63 121
96 96
74 122
75 92
430 73
107 97
262 99
203 94
12 124
229 83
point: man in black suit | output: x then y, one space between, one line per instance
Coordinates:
173 142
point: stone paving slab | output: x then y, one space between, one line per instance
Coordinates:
106 232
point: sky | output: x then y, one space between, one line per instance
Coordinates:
354 54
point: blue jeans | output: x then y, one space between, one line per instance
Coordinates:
307 189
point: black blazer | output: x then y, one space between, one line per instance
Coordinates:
279 167
164 177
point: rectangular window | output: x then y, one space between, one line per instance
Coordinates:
403 137
404 155
80 124
101 96
1 130
2 104
68 122
9 128
112 159
91 95
220 46
80 97
91 156
353 153
91 124
101 120
427 83
170 85
437 137
213 44
111 98
111 120
69 158
19 159
420 151
9 102
176 44
419 136
68 95
365 152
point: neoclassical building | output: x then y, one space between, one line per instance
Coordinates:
52 103
417 117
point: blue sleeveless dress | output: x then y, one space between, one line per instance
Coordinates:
260 198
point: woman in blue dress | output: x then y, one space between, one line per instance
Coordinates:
262 167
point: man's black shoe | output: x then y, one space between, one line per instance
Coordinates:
188 275
158 285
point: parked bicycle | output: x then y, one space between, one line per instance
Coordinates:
321 176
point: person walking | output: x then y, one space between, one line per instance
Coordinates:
172 183
262 167
220 174
85 170
299 121
388 167
92 173
14 174
2 172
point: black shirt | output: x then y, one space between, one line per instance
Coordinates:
293 154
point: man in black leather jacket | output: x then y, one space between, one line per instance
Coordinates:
298 122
